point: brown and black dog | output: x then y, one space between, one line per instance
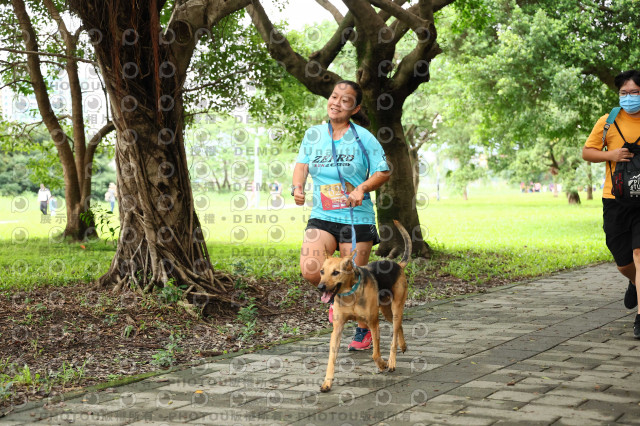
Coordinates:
378 285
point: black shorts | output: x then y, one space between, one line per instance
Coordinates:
622 229
342 232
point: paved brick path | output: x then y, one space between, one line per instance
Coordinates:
558 350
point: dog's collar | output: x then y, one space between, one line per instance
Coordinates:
353 289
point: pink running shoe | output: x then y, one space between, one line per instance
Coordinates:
361 341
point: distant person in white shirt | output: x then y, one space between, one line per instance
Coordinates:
43 196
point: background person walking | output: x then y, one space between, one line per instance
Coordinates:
111 195
43 196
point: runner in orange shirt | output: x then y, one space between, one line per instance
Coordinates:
621 222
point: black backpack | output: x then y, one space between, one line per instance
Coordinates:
625 179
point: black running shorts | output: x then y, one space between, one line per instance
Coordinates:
622 229
342 232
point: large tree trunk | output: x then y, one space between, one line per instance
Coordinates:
160 235
413 156
397 198
573 197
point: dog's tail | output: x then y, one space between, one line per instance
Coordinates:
407 244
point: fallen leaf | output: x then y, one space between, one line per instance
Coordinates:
511 384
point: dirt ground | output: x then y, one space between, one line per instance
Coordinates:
73 337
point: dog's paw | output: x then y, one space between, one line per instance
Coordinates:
382 365
392 366
326 387
403 348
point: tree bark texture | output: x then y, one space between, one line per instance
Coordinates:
161 240
573 197
589 182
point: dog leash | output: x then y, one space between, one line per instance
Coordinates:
344 185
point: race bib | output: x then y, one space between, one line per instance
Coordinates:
332 197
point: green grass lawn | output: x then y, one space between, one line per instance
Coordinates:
498 232
516 235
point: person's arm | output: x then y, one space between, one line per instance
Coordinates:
594 155
374 182
300 173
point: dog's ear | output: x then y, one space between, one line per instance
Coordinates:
326 255
347 264
352 253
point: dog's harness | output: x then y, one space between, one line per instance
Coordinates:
342 181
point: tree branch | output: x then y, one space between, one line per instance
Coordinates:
413 70
11 83
436 5
317 79
332 48
604 74
62 28
364 13
77 111
385 15
332 9
95 141
415 22
401 28
60 138
192 16
219 80
57 55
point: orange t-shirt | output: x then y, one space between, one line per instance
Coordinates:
630 127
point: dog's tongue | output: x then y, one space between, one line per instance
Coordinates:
326 297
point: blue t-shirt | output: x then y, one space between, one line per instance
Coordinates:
315 151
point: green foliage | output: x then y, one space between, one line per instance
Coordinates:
14 174
534 77
228 65
247 316
12 376
167 356
25 377
170 293
287 329
293 294
214 145
68 374
111 319
248 313
104 222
